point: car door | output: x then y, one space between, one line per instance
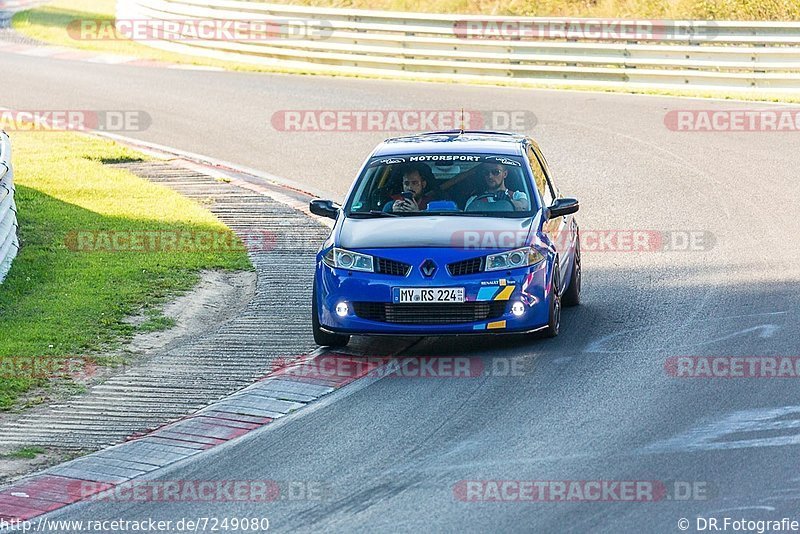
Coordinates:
559 229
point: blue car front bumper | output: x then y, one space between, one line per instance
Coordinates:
370 297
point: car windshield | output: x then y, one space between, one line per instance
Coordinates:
443 184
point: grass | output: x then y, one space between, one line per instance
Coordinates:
156 322
49 23
60 302
643 9
24 453
62 11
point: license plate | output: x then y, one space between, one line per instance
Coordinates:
428 295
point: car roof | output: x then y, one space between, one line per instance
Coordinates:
454 141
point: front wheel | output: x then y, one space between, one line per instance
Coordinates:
554 320
321 337
572 295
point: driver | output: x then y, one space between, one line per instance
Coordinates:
494 177
414 183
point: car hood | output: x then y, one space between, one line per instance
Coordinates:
434 231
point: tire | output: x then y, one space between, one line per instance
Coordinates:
324 339
572 295
554 320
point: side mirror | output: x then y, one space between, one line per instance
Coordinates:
563 206
324 208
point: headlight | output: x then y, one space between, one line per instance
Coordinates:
345 259
521 257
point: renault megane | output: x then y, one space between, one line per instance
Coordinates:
442 233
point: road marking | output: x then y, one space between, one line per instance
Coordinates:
740 508
739 430
765 331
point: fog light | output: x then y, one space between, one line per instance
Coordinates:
517 309
341 309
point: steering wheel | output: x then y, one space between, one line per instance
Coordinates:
502 202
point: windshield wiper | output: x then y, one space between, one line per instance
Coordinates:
373 213
424 213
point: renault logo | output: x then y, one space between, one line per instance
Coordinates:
428 268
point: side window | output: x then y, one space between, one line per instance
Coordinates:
550 177
541 178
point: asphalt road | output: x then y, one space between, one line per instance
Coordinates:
593 404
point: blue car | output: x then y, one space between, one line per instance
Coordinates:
448 233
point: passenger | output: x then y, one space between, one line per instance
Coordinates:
415 184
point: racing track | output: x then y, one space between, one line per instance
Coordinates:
593 404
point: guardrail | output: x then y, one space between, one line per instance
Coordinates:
9 243
701 54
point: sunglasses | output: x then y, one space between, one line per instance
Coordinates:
494 172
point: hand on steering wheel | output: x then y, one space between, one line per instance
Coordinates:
499 197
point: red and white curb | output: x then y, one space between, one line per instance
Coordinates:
277 395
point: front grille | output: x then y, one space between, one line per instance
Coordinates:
392 267
464 267
444 313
